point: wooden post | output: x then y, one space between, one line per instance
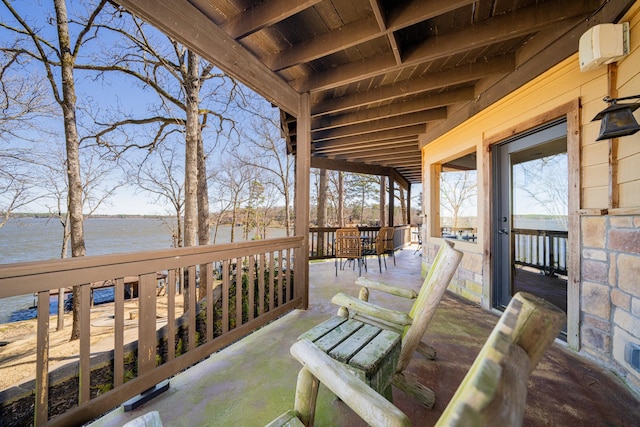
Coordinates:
42 362
392 184
303 165
306 396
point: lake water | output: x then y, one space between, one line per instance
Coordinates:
37 239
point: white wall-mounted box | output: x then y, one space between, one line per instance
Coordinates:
603 44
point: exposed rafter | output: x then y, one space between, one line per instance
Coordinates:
381 74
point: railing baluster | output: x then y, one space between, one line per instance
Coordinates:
261 271
193 306
42 361
239 286
271 287
147 284
210 301
118 336
251 285
85 343
280 276
225 296
171 314
287 278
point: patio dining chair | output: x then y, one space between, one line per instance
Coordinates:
348 246
389 245
412 326
379 247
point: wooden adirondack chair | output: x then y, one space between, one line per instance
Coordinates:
411 325
362 399
493 393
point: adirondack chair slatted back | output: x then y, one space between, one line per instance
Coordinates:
428 284
494 391
433 288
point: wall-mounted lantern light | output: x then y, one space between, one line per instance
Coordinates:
617 119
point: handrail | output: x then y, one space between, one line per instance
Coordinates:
545 250
263 271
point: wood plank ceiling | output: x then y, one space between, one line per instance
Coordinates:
382 72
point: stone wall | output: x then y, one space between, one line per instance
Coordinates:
467 281
610 290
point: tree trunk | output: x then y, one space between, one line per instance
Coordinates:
204 229
73 151
63 254
192 127
287 212
403 205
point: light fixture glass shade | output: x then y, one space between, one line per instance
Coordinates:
617 120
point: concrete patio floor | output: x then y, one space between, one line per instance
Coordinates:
253 381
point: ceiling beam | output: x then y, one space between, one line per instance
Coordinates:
331 164
330 147
418 103
374 137
183 22
393 43
520 22
382 124
456 75
376 152
357 32
538 63
264 15
530 19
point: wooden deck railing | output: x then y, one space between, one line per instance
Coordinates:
227 313
321 239
542 249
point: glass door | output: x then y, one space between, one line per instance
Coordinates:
530 220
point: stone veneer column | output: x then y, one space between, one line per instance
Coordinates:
610 290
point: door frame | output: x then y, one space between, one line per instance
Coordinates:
571 112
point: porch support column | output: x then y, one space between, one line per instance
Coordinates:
408 204
392 184
303 171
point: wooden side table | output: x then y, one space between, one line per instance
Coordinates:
370 352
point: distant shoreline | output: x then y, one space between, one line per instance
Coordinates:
46 215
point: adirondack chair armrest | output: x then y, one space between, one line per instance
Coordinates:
386 288
354 304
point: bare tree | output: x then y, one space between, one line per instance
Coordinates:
458 190
59 59
17 184
161 176
264 149
178 77
95 173
233 180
